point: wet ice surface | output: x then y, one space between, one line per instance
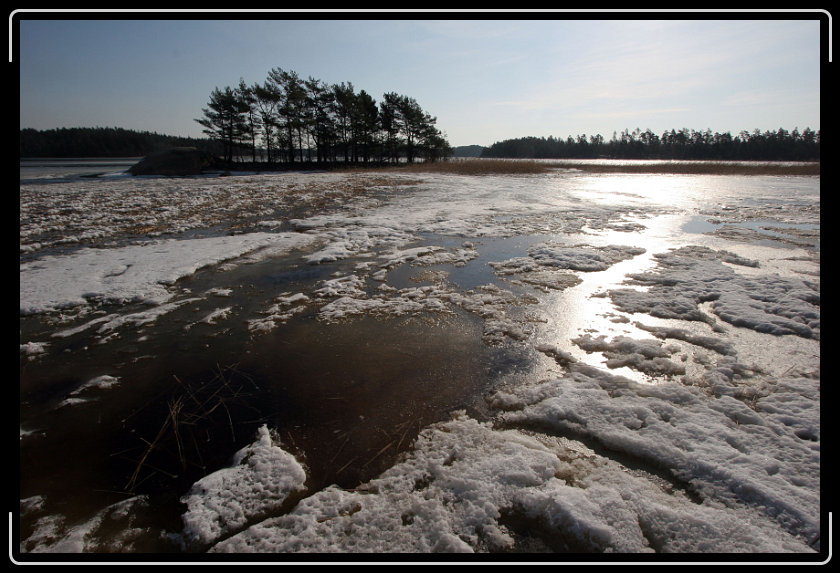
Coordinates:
378 362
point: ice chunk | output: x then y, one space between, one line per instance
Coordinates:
260 479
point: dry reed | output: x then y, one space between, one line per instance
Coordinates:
526 167
192 409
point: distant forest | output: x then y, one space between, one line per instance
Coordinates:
102 142
289 119
781 145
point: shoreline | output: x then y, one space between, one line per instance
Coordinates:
479 166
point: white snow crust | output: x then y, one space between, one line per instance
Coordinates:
693 275
464 480
259 480
136 273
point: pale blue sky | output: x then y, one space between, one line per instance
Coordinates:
485 79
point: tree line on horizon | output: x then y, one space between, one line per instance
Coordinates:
103 142
288 119
780 145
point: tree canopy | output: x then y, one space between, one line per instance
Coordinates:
289 119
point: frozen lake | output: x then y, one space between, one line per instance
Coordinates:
395 362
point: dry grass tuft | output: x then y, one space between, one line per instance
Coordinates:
197 429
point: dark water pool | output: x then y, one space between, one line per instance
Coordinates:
345 397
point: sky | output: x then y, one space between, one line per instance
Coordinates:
486 76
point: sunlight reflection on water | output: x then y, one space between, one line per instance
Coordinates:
668 191
584 309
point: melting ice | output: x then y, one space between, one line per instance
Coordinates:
668 402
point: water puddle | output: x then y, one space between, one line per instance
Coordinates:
346 397
351 396
476 272
699 225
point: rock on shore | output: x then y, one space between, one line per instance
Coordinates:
177 161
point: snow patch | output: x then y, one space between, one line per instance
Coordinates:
260 479
464 482
688 277
135 273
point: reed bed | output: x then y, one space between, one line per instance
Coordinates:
703 168
525 167
480 167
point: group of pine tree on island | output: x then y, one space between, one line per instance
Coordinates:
287 120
